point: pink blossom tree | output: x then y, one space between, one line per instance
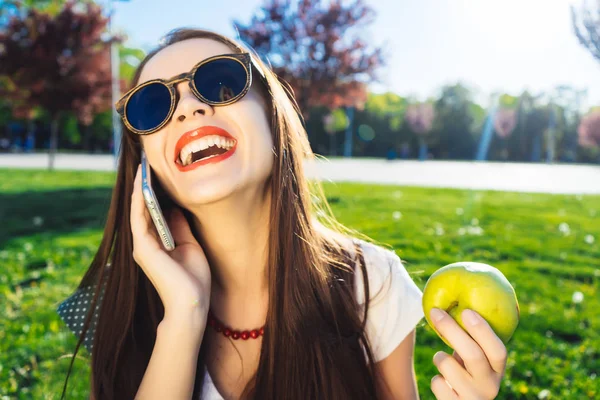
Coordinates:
420 120
589 130
328 122
505 122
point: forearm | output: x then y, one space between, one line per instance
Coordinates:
171 371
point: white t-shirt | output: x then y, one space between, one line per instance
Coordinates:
395 306
394 310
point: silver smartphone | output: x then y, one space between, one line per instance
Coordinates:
154 208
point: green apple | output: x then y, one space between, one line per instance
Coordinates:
476 286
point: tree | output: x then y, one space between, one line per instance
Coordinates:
508 101
537 124
568 100
314 45
334 122
420 118
380 126
388 105
60 63
129 59
586 24
454 127
10 8
505 122
589 130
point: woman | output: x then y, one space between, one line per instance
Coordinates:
259 299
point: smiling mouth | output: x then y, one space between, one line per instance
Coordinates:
204 145
204 149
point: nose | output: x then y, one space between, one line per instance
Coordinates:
189 106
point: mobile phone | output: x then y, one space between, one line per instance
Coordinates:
154 208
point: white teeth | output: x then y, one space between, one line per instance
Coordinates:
185 156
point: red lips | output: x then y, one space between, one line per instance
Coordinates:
197 134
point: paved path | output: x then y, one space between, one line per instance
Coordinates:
519 177
544 178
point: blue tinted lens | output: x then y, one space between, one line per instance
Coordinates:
221 80
148 107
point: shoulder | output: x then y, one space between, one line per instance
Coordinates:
384 270
395 301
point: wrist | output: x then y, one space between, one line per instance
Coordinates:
187 319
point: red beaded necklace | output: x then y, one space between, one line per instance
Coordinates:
232 333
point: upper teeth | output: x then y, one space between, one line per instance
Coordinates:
204 143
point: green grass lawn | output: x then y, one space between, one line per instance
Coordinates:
548 246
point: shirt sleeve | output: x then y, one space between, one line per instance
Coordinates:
395 306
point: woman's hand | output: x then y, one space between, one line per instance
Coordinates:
476 368
182 276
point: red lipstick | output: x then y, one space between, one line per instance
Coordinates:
199 133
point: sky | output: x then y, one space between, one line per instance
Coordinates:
490 45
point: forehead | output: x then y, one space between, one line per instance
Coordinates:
181 57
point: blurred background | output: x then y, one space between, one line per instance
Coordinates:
450 130
454 80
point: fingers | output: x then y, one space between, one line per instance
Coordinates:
137 213
147 249
139 218
180 228
453 373
169 272
492 346
476 362
459 359
442 390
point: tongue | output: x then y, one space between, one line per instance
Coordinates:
211 151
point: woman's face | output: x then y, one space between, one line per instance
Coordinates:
243 124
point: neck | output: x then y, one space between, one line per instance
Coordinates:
234 234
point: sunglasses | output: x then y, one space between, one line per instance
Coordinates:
217 81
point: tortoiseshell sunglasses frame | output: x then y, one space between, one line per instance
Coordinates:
243 58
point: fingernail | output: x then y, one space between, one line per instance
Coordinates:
436 314
470 318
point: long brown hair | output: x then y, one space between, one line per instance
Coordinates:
315 347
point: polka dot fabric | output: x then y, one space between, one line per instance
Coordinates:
73 311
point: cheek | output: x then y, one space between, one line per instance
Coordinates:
263 138
255 126
259 151
153 145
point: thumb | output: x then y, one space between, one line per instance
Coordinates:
180 228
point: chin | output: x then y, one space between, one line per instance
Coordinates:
203 193
230 180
